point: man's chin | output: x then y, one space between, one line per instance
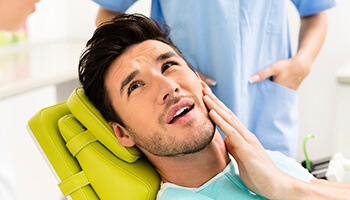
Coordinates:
202 142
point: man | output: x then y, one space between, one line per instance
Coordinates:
155 101
245 46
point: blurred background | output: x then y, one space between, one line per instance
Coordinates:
39 67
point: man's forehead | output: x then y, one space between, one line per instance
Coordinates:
144 52
137 56
149 48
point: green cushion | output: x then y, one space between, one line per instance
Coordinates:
85 156
109 176
92 119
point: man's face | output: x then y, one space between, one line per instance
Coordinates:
159 98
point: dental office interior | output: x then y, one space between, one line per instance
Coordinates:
39 69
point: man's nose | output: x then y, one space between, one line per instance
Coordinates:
168 88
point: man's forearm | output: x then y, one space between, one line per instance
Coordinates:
317 189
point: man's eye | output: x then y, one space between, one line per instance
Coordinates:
167 65
133 86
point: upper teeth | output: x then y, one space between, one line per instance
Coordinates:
181 110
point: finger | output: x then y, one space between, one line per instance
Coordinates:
262 75
235 138
216 101
209 81
229 146
220 109
213 103
206 79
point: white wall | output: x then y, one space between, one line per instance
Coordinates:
72 19
324 104
62 19
33 177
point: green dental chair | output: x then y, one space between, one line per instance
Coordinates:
85 156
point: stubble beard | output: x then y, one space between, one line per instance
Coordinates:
166 147
197 138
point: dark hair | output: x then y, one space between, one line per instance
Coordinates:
108 42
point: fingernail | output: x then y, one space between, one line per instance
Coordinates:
210 82
213 83
254 78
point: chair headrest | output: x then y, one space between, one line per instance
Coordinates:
80 106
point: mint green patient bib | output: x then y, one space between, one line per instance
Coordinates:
227 185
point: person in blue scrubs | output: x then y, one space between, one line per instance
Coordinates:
244 46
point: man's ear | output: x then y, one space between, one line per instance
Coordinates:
122 135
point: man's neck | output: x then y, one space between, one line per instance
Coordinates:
194 170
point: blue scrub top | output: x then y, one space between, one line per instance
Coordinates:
230 41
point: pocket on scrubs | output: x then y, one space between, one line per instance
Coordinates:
275 117
281 87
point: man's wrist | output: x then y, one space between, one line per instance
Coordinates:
293 189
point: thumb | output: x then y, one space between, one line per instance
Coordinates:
231 149
229 145
262 75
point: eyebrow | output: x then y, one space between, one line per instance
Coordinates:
127 80
131 76
165 56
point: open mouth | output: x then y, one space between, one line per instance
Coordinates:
181 112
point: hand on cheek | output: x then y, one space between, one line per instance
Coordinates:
224 117
256 169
